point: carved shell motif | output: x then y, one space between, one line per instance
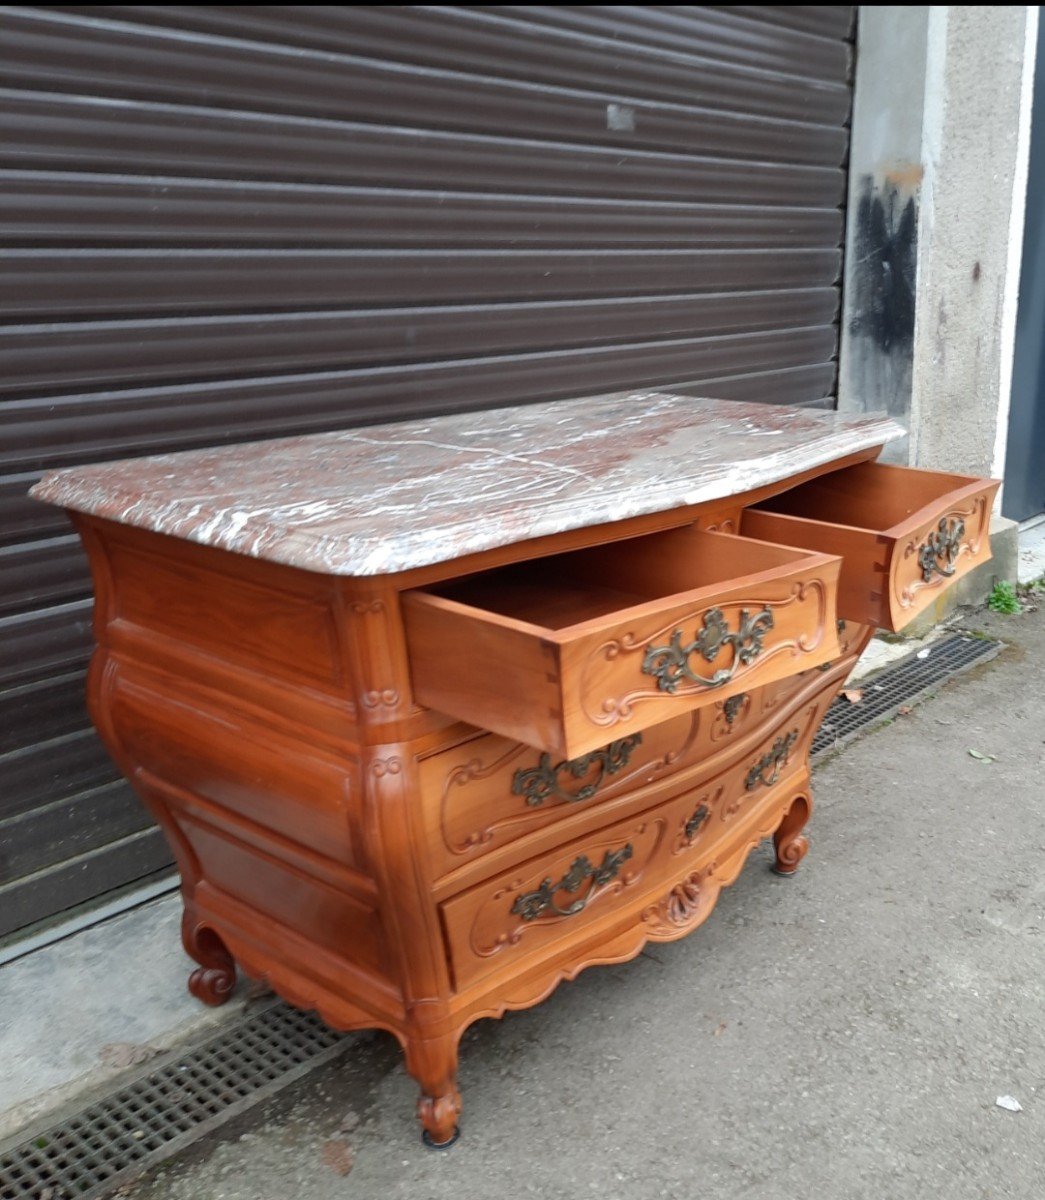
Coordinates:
686 904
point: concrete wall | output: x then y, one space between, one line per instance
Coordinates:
938 169
885 184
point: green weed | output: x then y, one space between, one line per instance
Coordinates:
1003 599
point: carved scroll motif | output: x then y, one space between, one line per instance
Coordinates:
372 631
684 901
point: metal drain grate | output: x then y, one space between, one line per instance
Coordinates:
885 692
91 1152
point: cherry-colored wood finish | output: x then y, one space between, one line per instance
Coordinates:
552 652
390 866
903 534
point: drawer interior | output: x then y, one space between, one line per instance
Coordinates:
556 652
565 590
871 496
902 533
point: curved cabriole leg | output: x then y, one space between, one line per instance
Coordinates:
213 981
433 1064
789 841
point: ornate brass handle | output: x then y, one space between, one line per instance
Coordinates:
531 905
942 544
773 760
669 664
541 782
732 705
700 815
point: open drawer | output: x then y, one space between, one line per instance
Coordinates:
903 534
570 652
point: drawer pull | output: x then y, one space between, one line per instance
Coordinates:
773 760
700 815
669 664
541 782
531 905
732 705
942 544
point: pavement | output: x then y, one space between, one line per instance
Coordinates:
1030 562
75 1012
842 1035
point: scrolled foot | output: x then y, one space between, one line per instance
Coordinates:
426 1137
790 843
211 985
214 980
432 1061
789 857
438 1116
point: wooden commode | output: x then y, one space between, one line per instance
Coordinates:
436 714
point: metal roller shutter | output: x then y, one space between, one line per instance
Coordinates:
227 223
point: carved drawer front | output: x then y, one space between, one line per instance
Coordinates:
775 695
491 790
538 907
571 652
737 790
612 875
904 535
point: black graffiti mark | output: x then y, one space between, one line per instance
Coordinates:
885 262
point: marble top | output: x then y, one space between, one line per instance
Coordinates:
389 498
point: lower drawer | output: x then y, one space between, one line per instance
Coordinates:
607 877
491 791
